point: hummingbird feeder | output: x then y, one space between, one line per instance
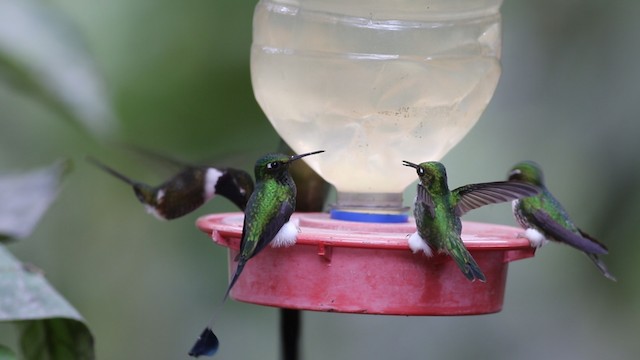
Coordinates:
367 268
373 83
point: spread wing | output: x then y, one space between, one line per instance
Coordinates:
553 229
476 195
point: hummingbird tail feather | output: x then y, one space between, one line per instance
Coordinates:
206 345
468 265
475 271
239 268
601 266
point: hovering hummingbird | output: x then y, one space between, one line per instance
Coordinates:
438 210
266 220
188 189
544 219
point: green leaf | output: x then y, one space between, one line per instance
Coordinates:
56 338
24 198
7 354
51 329
42 55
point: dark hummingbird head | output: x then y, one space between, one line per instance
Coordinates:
431 173
528 172
236 185
276 165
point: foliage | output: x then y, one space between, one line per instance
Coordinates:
42 57
50 328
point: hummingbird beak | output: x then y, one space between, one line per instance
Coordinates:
410 164
109 170
296 157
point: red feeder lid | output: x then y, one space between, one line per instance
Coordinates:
368 268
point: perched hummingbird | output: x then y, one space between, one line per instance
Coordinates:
266 220
189 189
543 218
437 212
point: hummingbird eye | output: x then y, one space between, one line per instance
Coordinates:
273 165
420 171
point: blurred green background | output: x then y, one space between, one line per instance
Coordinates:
178 75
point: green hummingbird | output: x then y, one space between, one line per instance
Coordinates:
188 189
544 219
438 210
266 221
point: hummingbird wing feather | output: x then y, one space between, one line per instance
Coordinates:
551 228
584 234
263 219
423 197
477 195
266 213
271 229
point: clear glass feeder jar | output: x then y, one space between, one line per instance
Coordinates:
374 82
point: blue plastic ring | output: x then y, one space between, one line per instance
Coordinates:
369 217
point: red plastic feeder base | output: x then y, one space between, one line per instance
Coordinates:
368 268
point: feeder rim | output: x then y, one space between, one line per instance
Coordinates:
318 230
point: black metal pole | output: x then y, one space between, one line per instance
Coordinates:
290 322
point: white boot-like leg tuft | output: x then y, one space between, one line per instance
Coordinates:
416 243
287 235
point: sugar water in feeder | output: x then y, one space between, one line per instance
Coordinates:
374 83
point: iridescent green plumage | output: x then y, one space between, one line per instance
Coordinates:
438 210
269 207
266 220
544 218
